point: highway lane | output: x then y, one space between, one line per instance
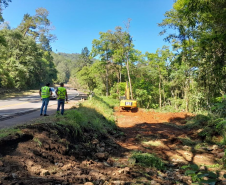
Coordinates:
26 103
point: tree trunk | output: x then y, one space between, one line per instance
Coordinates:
160 94
107 93
130 85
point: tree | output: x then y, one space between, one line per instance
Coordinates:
202 39
102 47
39 27
84 58
4 3
158 65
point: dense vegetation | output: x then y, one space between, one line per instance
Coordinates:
68 65
189 77
25 58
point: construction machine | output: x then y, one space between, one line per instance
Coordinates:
126 103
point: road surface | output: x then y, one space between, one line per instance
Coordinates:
19 110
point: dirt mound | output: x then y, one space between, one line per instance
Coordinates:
51 154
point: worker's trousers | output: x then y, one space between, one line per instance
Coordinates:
45 102
60 103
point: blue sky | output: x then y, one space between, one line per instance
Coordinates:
78 22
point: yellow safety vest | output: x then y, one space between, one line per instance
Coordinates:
45 92
61 92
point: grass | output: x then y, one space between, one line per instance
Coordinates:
200 145
95 114
16 94
9 131
37 141
187 141
148 160
214 166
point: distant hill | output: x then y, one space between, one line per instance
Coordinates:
65 64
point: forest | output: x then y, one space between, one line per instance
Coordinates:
186 74
176 136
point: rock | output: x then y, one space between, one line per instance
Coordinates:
36 169
117 182
220 155
102 155
106 164
94 173
110 161
67 167
185 147
29 162
126 169
153 182
209 149
101 149
102 144
1 164
116 164
44 172
202 168
95 141
215 147
88 183
60 164
14 175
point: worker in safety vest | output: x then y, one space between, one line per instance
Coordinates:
45 93
61 95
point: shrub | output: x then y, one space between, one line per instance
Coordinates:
148 160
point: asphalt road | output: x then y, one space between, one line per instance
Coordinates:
18 110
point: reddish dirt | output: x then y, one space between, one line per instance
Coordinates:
50 154
151 132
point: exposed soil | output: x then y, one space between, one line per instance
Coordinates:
52 154
151 132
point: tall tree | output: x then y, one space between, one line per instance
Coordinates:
3 3
39 27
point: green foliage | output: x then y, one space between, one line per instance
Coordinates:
201 176
95 114
24 63
224 161
5 4
200 44
37 141
148 160
118 90
209 126
187 141
220 106
9 131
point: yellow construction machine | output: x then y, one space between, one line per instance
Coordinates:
126 103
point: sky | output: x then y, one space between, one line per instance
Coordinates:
78 22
